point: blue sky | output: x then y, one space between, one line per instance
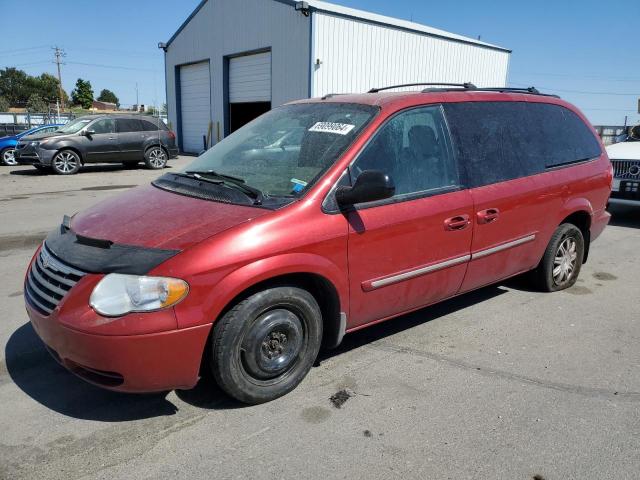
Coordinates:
586 51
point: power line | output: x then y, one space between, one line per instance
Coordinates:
120 67
19 50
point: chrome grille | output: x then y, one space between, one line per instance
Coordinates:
48 281
626 169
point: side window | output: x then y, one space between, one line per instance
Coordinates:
493 140
148 126
104 125
128 125
562 136
414 149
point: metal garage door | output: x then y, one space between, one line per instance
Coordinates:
195 105
250 78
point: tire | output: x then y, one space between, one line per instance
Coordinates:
66 162
562 260
7 158
266 344
155 157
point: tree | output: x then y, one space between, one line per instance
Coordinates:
4 104
17 87
108 96
37 104
83 94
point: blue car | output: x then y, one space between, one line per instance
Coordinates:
8 144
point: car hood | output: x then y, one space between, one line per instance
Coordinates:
8 137
40 136
624 151
149 217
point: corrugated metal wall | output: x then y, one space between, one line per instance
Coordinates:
355 56
229 27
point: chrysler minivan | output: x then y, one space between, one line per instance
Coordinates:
246 264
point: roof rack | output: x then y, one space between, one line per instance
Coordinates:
469 86
527 90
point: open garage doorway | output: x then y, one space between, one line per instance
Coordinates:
249 88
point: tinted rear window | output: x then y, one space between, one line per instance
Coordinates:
498 141
128 125
149 126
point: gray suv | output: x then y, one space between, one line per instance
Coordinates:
126 139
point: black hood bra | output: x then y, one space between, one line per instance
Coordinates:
103 256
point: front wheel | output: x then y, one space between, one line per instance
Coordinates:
66 162
7 157
562 260
155 158
266 344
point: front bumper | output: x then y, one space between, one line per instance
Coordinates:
129 363
625 191
33 156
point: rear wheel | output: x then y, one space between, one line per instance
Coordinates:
562 260
7 157
155 158
66 162
266 344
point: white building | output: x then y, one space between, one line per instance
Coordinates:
232 60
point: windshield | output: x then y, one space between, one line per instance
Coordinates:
75 125
285 150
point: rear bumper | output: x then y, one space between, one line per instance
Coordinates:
133 363
598 223
173 152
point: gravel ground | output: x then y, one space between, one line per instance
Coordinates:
501 383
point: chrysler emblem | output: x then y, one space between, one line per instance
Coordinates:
45 260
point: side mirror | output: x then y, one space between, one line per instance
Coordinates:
370 185
88 133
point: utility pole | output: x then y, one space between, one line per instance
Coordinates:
59 53
137 102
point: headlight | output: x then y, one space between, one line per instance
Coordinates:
34 144
118 294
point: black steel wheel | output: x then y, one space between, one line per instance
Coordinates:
265 345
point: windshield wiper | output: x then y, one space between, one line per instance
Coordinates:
211 176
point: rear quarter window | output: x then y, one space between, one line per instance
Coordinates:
499 141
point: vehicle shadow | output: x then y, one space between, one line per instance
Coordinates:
624 216
114 167
34 371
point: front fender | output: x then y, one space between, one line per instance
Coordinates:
212 293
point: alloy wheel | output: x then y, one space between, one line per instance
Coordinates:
564 263
65 162
8 157
157 157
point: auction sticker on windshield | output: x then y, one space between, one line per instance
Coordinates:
330 127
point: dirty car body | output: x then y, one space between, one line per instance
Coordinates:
389 204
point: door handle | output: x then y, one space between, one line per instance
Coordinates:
112 138
489 215
459 222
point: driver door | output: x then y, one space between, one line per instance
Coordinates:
410 250
102 145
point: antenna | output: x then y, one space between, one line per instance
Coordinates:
59 53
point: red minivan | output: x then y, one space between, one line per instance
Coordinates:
317 219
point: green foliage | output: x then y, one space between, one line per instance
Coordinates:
83 94
37 104
17 87
4 104
108 96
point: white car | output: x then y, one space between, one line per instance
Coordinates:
625 158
